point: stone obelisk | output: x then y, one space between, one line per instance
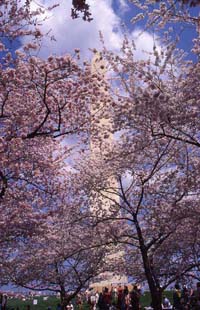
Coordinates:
98 148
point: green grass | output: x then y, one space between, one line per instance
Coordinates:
41 305
146 298
53 301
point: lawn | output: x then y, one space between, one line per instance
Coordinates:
53 301
41 303
146 299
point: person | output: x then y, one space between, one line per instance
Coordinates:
185 295
70 306
100 303
195 298
124 299
177 297
106 299
92 298
4 302
114 296
79 302
1 299
198 294
125 290
166 304
92 301
119 296
135 298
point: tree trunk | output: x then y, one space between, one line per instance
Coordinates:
63 297
155 290
68 299
156 297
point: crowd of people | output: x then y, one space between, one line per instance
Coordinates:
119 297
185 298
126 298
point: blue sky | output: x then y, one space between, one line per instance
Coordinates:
108 16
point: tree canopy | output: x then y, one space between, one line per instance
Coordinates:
132 185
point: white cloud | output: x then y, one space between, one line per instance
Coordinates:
71 34
123 6
145 43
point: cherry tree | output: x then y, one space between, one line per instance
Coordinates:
154 162
151 199
40 100
16 16
161 14
65 255
51 97
155 114
154 159
164 19
31 170
20 18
